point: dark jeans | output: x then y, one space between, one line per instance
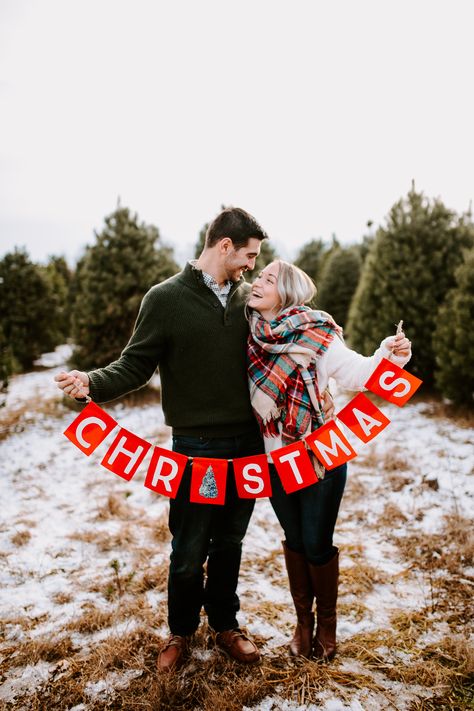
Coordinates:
208 531
308 516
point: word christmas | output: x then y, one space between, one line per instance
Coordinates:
208 476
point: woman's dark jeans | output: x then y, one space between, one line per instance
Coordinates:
308 516
208 531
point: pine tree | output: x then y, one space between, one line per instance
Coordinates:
28 310
111 280
453 340
407 274
310 258
338 282
59 277
6 362
208 488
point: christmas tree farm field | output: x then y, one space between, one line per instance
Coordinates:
83 574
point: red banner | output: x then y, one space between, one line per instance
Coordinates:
90 428
252 477
165 472
294 467
125 454
208 481
393 383
364 418
330 446
209 476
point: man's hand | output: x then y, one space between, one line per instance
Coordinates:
75 383
400 345
328 406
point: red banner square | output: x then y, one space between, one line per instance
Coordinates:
330 446
364 418
165 471
125 454
294 467
393 383
252 477
90 428
208 481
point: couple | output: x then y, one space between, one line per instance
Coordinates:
195 327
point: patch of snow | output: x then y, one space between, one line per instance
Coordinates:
50 490
24 680
105 688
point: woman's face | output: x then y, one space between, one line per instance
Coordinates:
264 294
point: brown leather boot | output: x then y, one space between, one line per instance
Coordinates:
325 581
173 654
302 593
238 646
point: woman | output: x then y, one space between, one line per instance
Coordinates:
292 352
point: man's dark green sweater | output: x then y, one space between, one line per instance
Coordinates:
200 348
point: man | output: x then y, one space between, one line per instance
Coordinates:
193 327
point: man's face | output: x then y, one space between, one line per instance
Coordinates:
238 261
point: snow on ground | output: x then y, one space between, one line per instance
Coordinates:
74 539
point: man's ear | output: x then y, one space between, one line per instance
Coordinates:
225 245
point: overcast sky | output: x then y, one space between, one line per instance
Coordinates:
314 116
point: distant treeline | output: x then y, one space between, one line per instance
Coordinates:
418 266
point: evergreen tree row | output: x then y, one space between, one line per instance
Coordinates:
419 267
35 310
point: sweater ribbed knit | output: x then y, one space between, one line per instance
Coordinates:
200 349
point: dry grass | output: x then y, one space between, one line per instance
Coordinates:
115 507
360 578
115 636
159 529
207 684
396 481
32 651
154 578
459 415
62 598
21 538
451 549
211 681
394 460
392 516
17 418
124 538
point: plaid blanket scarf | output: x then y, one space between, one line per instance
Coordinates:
281 357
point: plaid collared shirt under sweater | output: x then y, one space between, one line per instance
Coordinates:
221 292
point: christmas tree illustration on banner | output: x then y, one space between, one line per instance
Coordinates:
208 488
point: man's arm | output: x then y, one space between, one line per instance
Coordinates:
136 365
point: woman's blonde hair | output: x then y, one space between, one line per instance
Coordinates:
294 286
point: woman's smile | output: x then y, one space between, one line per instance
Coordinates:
264 293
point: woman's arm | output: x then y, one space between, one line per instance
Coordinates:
351 370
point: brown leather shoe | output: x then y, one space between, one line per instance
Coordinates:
173 654
238 646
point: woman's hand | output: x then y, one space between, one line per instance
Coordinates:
400 345
75 383
328 406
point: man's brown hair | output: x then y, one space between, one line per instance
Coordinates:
235 223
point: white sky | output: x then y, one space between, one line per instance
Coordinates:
314 116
